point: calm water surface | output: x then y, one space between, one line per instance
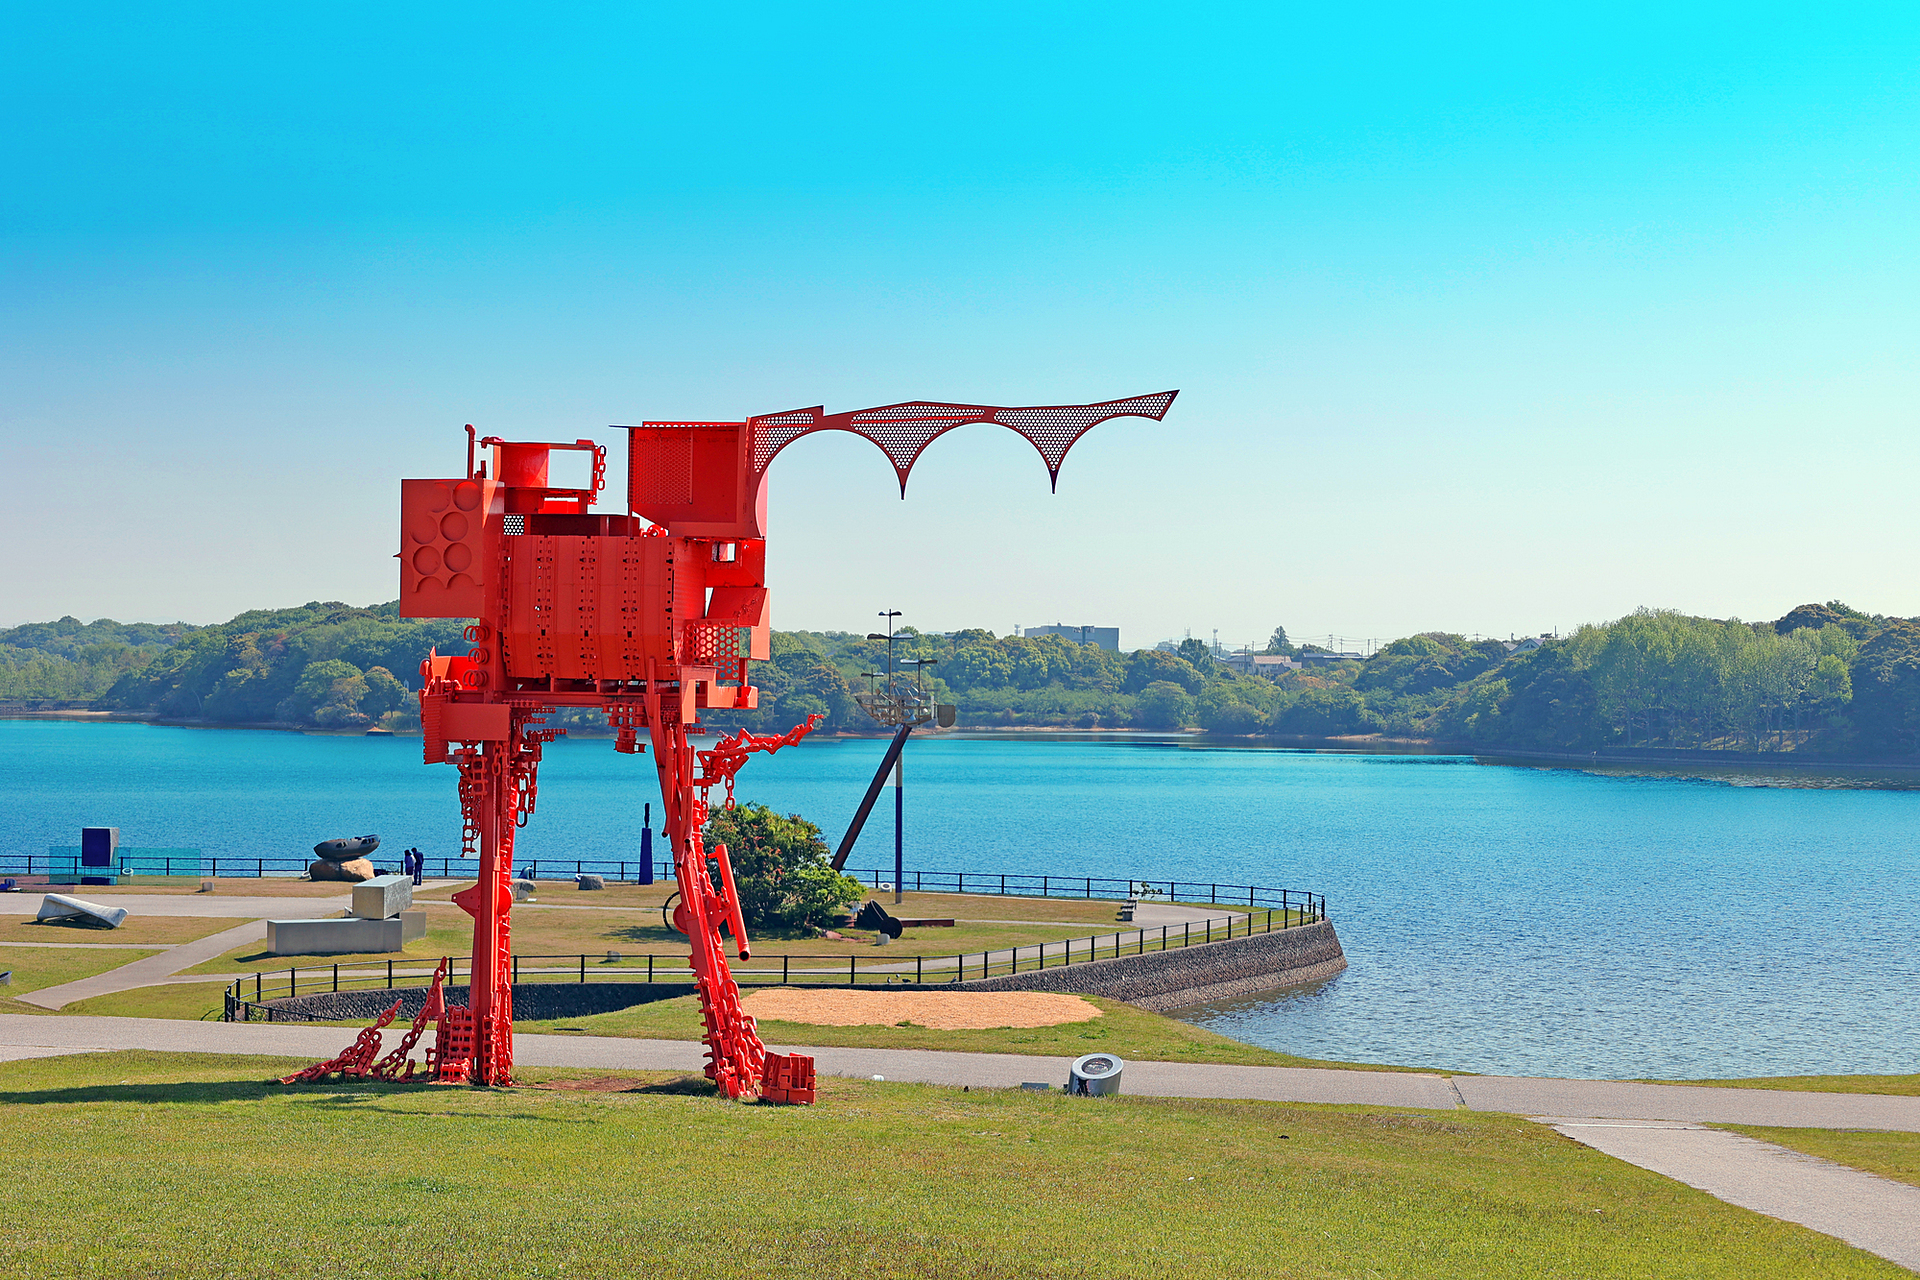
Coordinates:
1497 919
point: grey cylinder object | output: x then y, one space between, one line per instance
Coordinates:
1094 1074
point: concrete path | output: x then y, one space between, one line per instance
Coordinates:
194 904
998 1070
1686 1103
150 970
1868 1212
95 946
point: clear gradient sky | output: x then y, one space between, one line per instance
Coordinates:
1487 320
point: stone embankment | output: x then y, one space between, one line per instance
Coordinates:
1156 980
1207 971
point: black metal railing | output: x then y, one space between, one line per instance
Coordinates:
985 883
249 995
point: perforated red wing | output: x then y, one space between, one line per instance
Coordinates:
903 431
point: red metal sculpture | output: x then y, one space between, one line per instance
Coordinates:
651 617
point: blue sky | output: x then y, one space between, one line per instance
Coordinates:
1492 321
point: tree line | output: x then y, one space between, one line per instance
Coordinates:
1823 679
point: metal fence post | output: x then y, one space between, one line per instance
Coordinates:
583 970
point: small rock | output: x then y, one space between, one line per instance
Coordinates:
353 871
590 882
831 936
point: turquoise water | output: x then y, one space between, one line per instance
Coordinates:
1497 919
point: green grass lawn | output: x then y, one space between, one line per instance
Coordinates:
1121 1028
1904 1086
142 1164
228 887
199 1001
1130 1032
35 968
1891 1155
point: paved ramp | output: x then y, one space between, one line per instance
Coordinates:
1867 1211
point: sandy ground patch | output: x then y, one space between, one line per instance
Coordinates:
941 1011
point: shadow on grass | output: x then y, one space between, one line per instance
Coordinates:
688 1086
190 1091
645 933
330 1093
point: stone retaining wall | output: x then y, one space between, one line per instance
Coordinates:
1157 980
1161 980
532 1001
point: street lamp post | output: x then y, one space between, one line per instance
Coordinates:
903 705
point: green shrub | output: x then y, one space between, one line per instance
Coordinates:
781 868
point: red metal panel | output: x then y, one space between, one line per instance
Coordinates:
444 564
474 721
575 626
692 477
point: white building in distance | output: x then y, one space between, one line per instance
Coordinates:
1106 637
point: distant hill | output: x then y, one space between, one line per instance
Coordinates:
73 662
1821 679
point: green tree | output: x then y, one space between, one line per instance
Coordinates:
384 693
1197 654
1327 712
1164 705
327 683
781 868
979 666
1886 691
1148 666
1235 718
1277 643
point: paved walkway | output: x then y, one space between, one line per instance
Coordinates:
1868 1212
194 904
1605 1098
148 971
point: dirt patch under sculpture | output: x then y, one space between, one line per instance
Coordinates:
949 1011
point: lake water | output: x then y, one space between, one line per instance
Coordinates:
1496 918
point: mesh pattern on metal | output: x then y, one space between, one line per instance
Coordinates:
661 468
776 431
722 646
903 431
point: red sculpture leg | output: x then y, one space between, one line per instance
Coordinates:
497 789
735 1055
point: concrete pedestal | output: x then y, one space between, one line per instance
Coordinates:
349 936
